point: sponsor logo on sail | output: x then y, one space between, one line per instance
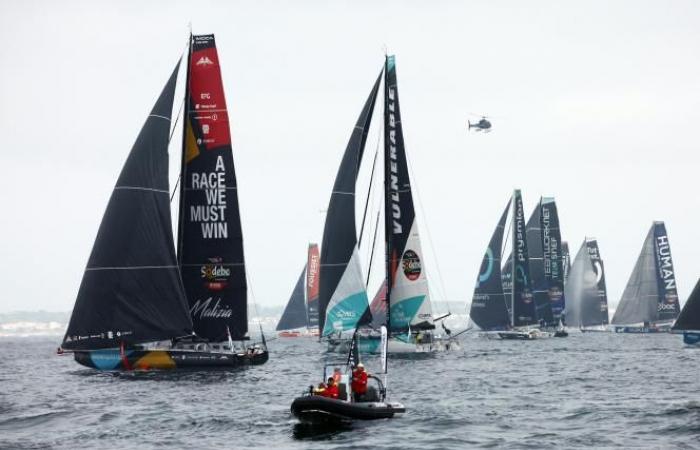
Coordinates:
411 265
663 257
393 164
204 61
205 309
215 274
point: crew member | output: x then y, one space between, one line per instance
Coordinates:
331 389
359 382
320 390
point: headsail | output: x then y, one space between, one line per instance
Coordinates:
650 294
689 318
312 268
131 290
523 309
294 315
409 299
342 293
540 284
488 309
586 303
210 237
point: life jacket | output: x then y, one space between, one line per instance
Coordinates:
359 381
331 391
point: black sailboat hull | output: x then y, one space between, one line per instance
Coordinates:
317 409
114 359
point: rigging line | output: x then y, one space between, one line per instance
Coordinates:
255 304
427 230
369 268
371 183
177 118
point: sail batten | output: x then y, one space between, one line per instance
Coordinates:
131 290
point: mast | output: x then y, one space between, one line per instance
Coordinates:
131 291
407 290
212 262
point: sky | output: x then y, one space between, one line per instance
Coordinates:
595 103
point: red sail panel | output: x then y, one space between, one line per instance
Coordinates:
210 239
313 267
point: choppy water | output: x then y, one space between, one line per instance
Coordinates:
594 390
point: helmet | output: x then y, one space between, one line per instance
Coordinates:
360 366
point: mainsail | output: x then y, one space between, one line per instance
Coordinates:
540 283
210 240
342 292
523 305
131 290
689 318
409 299
488 309
294 315
312 270
586 302
650 295
552 256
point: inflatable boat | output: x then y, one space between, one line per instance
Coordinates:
317 409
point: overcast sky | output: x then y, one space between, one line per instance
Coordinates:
596 103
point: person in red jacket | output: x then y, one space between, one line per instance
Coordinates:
359 382
331 389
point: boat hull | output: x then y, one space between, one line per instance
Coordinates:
114 359
317 409
642 330
372 345
525 335
691 338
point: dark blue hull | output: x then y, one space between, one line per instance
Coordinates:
642 330
691 338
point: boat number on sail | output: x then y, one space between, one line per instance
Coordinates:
393 165
411 265
212 216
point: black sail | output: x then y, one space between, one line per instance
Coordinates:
408 295
689 318
294 315
650 294
552 257
540 286
584 306
523 305
488 309
339 233
131 290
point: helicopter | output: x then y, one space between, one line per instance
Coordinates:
482 125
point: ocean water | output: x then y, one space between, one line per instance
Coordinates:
596 390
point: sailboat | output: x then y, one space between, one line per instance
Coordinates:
314 408
515 287
586 297
300 317
649 302
140 305
689 319
343 295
